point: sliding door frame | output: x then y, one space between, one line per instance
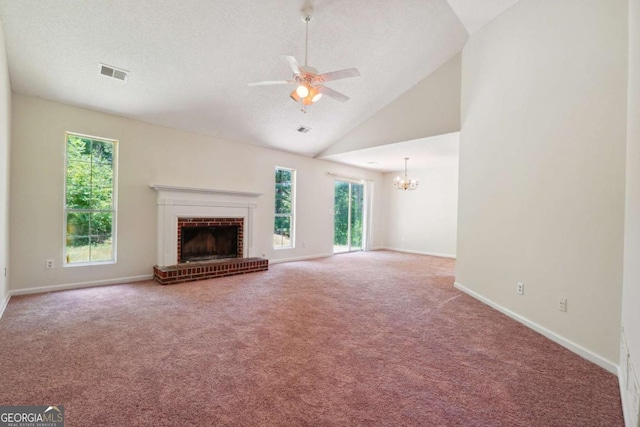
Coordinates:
365 212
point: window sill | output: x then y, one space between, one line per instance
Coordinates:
88 264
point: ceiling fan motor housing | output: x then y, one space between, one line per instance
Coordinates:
307 75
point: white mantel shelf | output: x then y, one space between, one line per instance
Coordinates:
173 188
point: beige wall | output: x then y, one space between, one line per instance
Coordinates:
5 136
631 287
424 220
432 107
542 149
149 154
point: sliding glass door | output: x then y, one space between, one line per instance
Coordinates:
348 218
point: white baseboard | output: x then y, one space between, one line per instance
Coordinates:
566 343
80 285
300 258
4 303
409 251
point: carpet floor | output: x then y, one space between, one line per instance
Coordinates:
377 338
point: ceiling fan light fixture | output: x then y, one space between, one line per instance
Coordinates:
302 91
313 96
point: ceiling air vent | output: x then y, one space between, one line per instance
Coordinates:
109 71
303 129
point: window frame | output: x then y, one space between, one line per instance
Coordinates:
290 215
114 205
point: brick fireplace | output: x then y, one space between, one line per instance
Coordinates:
204 233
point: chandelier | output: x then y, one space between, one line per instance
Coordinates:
405 183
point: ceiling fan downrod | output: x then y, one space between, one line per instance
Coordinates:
306 40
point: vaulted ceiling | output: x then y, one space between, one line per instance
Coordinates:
189 61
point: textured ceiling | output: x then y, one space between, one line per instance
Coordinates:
190 61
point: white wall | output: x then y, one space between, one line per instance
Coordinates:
5 136
542 149
425 220
432 107
631 287
149 154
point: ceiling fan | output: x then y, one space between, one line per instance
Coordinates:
309 83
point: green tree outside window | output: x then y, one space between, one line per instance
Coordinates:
90 207
284 193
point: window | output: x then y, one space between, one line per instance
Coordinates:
90 211
285 195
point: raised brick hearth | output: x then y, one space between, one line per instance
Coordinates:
192 271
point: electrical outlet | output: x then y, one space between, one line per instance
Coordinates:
562 304
50 264
520 288
304 244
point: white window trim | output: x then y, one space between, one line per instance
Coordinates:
114 225
294 184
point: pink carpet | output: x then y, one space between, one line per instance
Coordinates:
377 338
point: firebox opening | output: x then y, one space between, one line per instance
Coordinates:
206 243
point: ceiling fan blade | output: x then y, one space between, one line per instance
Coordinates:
337 75
272 82
292 63
333 94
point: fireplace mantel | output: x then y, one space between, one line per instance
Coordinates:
173 188
184 202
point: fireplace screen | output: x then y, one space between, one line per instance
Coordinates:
206 243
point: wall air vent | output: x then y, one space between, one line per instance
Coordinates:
303 129
116 73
